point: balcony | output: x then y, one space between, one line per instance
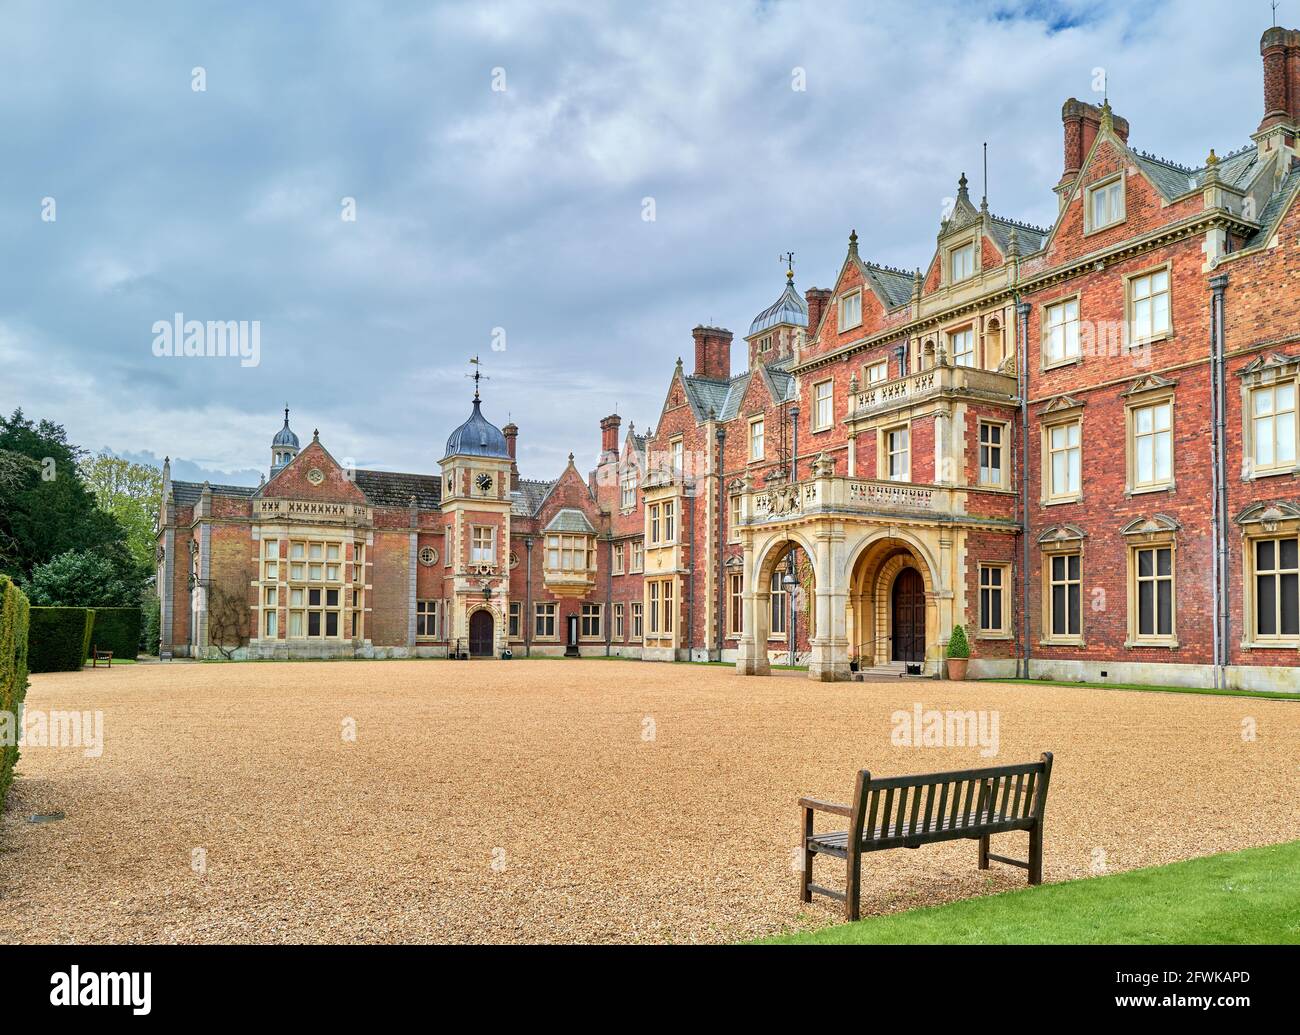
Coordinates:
970 382
827 495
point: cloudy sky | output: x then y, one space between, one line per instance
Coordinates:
498 156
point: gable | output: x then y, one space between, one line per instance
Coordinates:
314 475
1145 206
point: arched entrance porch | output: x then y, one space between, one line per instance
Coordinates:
893 607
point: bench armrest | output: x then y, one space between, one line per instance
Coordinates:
826 806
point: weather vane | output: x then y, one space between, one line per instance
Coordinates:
788 259
1275 14
478 374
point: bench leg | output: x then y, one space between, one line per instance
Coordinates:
984 852
806 877
1036 854
853 887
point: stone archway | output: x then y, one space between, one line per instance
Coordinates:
768 560
872 580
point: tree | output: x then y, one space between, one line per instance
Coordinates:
132 493
46 509
80 579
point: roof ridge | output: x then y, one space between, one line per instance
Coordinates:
1021 224
1177 166
886 268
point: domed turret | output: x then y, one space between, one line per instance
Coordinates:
284 447
779 328
477 437
789 309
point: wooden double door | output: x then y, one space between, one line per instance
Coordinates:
907 602
481 633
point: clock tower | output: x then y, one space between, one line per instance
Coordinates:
476 506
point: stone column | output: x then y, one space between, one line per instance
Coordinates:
751 651
830 647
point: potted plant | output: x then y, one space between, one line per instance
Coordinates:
958 653
854 663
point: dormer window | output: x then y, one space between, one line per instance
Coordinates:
1106 204
850 310
961 263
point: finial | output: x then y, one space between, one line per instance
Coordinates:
167 459
1013 244
570 458
286 415
315 435
788 259
961 187
853 242
679 362
478 375
1212 160
1107 117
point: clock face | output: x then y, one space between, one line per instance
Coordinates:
484 482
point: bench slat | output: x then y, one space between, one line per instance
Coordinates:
886 782
837 841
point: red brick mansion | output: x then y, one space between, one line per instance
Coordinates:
1078 441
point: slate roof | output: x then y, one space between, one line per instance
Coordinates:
1029 238
393 489
186 494
893 285
1174 180
570 520
1272 212
526 499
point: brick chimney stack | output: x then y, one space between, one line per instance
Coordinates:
1280 49
817 299
1082 123
712 352
609 435
511 432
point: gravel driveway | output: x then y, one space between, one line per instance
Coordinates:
557 801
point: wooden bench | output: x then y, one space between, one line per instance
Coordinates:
910 811
97 655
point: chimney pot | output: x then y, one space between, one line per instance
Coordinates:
712 352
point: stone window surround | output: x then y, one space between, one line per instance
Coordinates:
1148 391
1265 372
1005 631
1058 541
1159 532
1278 520
1090 191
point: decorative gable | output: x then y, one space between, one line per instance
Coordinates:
1269 518
1064 536
1158 526
1061 404
314 475
1147 383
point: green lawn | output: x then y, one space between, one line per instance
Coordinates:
1267 695
1239 898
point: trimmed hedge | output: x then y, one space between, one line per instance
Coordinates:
118 629
58 638
14 611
